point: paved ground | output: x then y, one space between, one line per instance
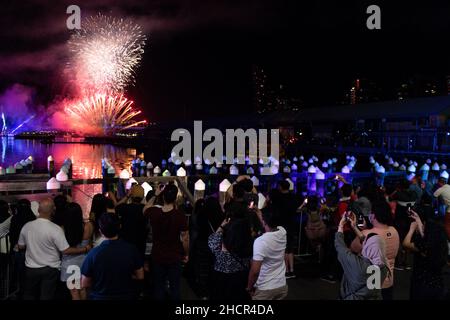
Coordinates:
308 286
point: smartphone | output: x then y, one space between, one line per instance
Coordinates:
251 205
306 201
360 221
408 206
336 178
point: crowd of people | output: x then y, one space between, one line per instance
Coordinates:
240 249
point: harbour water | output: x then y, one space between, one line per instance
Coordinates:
86 158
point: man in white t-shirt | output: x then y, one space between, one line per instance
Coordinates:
44 242
267 280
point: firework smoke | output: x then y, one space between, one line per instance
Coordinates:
104 54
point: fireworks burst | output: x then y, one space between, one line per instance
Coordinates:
104 54
104 113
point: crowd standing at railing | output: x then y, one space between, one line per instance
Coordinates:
236 244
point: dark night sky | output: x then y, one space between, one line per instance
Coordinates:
200 53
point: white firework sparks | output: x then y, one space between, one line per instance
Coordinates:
105 53
104 113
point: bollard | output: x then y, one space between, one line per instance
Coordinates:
51 166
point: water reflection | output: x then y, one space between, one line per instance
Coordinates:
86 158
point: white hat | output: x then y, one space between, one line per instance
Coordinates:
345 169
50 158
311 160
411 176
288 161
188 163
334 160
304 164
312 169
18 166
294 167
62 176
412 168
234 170
395 165
287 169
302 158
402 167
149 165
207 161
443 166
330 162
372 160
177 162
444 174
53 184
425 167
428 161
390 162
166 173
124 174
130 183
198 167
435 167
250 170
325 164
295 159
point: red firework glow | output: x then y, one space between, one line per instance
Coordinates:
103 114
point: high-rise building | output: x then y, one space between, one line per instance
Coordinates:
361 91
